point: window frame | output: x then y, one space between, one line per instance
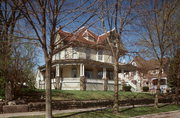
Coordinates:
100 57
75 52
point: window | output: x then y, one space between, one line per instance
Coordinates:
74 72
65 54
100 75
100 55
59 55
110 75
88 73
74 53
89 38
88 53
53 74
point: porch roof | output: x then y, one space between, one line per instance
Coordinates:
125 67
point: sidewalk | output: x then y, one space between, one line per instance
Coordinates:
7 115
171 114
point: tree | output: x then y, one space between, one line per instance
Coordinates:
45 16
154 23
173 71
174 74
120 15
24 60
8 20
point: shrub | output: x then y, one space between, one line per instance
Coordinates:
126 88
145 88
2 92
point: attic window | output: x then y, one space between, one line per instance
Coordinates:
89 38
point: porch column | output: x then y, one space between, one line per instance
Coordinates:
82 78
105 84
57 76
122 79
81 70
122 74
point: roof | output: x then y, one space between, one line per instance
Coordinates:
148 64
125 67
79 36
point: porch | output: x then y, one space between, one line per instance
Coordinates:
84 75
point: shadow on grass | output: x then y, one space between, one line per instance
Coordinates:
78 113
163 105
127 109
100 110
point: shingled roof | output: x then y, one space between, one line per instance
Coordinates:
79 36
148 64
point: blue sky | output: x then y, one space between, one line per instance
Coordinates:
94 25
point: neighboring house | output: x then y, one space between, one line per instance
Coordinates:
86 64
146 74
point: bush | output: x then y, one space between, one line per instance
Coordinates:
2 92
126 88
145 88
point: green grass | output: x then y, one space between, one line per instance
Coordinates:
95 95
81 95
124 112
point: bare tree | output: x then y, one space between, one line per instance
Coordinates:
8 20
154 23
117 14
45 16
173 72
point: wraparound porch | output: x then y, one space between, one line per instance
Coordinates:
83 76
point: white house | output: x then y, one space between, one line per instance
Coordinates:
86 64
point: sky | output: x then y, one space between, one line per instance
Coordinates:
94 24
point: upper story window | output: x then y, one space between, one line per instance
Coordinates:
66 55
100 55
74 53
153 72
59 55
88 53
89 38
134 64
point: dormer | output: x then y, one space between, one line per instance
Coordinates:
134 63
88 36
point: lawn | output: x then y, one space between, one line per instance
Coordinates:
95 95
124 112
81 95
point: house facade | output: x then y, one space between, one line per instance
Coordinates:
146 74
86 64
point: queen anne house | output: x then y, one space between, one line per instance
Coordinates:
146 74
86 64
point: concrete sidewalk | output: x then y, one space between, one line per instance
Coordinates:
171 114
7 115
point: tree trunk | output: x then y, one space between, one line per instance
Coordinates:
156 100
61 82
8 91
61 79
177 90
82 83
105 84
58 82
116 88
48 89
